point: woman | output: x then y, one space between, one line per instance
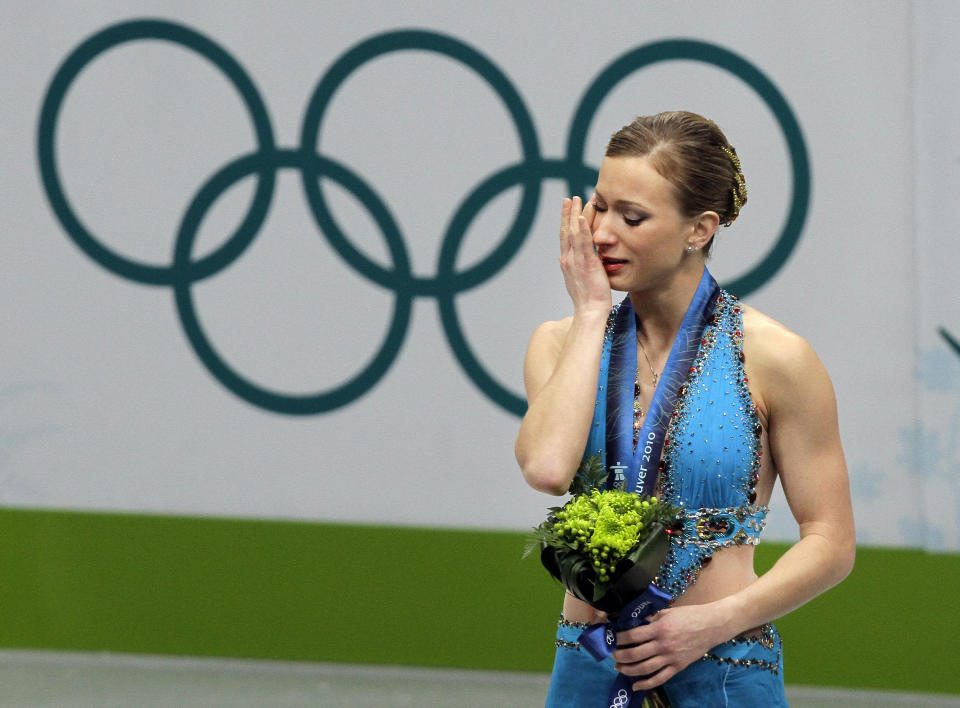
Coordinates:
756 403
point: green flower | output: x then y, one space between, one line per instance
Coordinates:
619 501
597 535
612 533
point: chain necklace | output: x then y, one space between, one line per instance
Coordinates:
653 373
637 410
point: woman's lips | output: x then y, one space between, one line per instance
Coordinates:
612 265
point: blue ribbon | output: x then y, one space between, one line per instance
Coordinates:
600 641
636 470
639 467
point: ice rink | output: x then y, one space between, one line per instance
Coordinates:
57 680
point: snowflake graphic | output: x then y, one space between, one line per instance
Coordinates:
865 481
921 533
920 452
937 370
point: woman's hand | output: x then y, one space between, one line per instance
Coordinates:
583 272
562 363
673 639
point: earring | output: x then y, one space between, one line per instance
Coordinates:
692 249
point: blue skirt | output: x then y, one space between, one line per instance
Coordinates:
746 672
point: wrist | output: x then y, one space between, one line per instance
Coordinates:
730 618
592 313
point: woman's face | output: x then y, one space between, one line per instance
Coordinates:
640 235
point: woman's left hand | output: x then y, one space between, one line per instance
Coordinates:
673 639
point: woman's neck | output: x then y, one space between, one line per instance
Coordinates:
660 311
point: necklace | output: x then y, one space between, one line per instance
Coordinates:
649 365
637 410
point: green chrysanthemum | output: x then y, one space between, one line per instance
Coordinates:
582 508
619 501
612 534
596 536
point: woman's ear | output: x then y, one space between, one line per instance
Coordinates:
704 227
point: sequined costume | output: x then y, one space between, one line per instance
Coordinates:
710 467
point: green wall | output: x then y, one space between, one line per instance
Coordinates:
365 594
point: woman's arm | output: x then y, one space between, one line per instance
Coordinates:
562 363
805 445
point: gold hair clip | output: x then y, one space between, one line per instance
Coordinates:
740 191
732 155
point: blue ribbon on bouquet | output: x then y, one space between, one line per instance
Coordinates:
600 641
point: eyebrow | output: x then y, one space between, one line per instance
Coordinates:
622 203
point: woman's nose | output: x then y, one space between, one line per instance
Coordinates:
601 229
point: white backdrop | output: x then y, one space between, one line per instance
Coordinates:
104 404
931 446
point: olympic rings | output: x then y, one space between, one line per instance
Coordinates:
267 159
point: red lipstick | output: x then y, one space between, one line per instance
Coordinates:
612 265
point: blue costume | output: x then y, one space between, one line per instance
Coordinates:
710 466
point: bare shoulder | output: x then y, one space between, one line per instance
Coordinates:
772 344
552 330
543 351
779 362
548 338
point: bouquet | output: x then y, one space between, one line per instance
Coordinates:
606 547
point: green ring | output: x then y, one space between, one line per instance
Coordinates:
306 404
64 77
672 49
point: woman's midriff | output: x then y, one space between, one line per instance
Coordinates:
729 571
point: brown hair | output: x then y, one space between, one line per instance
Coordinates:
693 154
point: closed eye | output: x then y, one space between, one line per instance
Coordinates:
627 220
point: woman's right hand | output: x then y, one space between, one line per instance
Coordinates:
562 363
583 272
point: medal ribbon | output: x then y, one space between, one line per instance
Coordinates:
640 466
